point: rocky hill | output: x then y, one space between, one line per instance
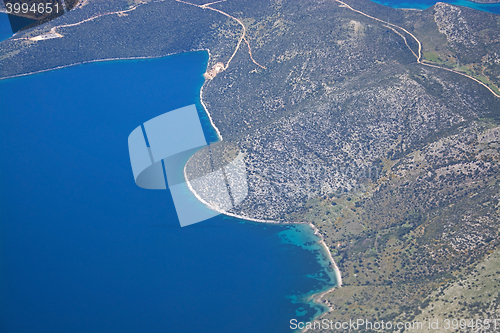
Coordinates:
394 161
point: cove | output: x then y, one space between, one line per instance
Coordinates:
83 249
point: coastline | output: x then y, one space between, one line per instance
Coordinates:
316 298
205 107
318 295
472 4
485 2
109 59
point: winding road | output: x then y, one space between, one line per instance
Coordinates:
393 27
243 35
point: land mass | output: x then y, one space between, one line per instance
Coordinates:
379 126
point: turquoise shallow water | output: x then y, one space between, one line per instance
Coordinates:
83 249
423 4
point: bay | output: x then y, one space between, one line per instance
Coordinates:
83 249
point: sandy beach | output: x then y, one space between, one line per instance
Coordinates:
317 298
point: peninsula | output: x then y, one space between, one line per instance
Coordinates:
378 126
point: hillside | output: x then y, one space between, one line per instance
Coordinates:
396 162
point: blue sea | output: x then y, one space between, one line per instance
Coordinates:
5 30
423 4
83 249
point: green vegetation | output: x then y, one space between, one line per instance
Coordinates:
473 293
396 163
433 206
485 80
433 56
